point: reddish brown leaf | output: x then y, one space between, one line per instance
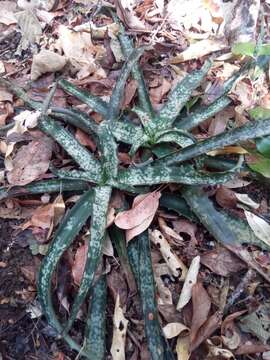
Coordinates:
130 91
201 306
85 139
79 263
31 161
210 326
222 262
138 218
225 197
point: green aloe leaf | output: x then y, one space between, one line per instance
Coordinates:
177 136
82 156
179 96
118 90
140 259
126 132
95 330
76 118
178 204
68 229
246 132
90 176
100 205
127 48
109 151
226 229
160 174
43 186
203 113
94 102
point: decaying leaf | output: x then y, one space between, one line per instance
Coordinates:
222 262
245 199
46 61
80 51
120 324
190 280
260 227
169 233
258 322
30 28
176 265
31 161
186 227
201 306
126 12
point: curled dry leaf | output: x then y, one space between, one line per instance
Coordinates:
245 199
140 216
46 61
190 280
31 161
215 351
127 14
177 267
222 262
187 227
174 329
120 324
201 304
260 227
226 198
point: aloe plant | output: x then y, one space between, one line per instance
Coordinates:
96 176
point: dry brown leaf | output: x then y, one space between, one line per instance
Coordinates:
126 12
46 61
31 161
79 263
201 304
222 262
85 139
7 13
164 293
217 352
177 267
5 95
157 93
190 280
174 329
120 324
130 91
143 206
80 51
205 331
226 198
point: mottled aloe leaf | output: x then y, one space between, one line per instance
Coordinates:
246 132
118 90
178 204
163 149
203 113
109 151
94 102
147 120
226 229
119 240
140 259
43 186
95 330
68 229
263 144
82 156
127 48
100 205
160 174
76 118
126 132
90 176
138 141
176 136
180 95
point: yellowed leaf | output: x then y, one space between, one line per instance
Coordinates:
172 330
182 348
46 61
